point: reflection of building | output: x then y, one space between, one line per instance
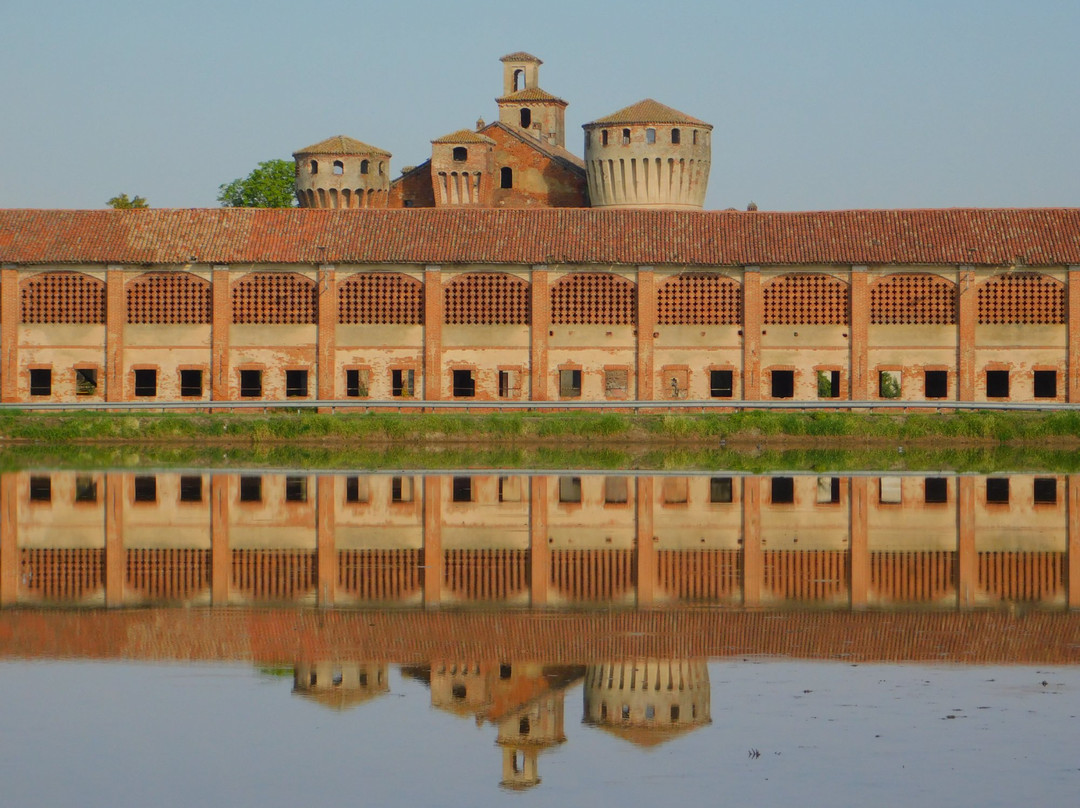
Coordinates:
340 685
648 701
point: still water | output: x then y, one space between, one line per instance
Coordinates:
283 638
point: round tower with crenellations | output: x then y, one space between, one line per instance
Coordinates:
648 155
341 172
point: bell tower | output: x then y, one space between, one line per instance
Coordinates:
525 107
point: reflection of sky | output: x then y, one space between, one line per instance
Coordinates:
154 735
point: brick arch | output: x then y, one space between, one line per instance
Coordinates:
381 298
169 298
806 299
594 298
62 297
486 298
1021 297
913 298
275 298
699 298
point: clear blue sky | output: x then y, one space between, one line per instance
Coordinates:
816 105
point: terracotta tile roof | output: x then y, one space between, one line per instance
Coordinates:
531 94
520 56
464 136
555 152
648 111
340 144
1032 237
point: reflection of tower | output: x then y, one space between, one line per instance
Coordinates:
340 685
524 734
648 701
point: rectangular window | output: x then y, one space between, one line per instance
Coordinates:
462 489
40 381
616 490
401 489
935 490
510 489
41 489
828 384
720 489
890 491
146 488
721 383
570 489
296 383
616 383
191 383
783 383
356 382
250 383
250 489
401 383
1045 382
675 491
828 490
676 383
997 384
936 383
570 383
85 489
997 490
85 381
191 488
1045 491
507 384
146 382
356 490
783 491
296 489
464 384
889 384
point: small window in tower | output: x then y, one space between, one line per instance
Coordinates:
676 135
650 135
314 166
506 177
626 137
519 80
339 167
382 167
365 166
695 137
603 137
526 118
461 154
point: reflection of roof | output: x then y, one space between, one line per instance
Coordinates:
649 111
531 94
520 56
339 144
464 136
339 698
646 736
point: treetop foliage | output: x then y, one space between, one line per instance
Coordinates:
121 202
270 185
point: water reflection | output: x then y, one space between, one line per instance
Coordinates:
552 541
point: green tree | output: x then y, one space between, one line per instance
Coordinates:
270 185
121 202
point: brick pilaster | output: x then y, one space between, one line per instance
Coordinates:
219 329
9 334
433 322
220 551
115 317
859 386
753 556
858 547
646 547
753 318
967 562
646 326
539 550
967 313
540 314
9 539
326 545
433 552
115 557
1072 367
327 366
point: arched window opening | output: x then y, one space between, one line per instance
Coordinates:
695 137
650 135
603 137
526 118
382 166
626 137
519 80
339 167
461 154
365 166
506 177
314 166
676 136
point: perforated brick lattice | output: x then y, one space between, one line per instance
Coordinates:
1027 297
381 298
169 298
275 298
487 298
594 298
806 300
698 298
913 300
62 297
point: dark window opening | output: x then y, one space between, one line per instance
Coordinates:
458 692
250 383
191 383
40 382
828 490
935 490
783 490
314 166
721 383
1045 490
85 489
674 712
570 489
1045 384
401 383
250 489
365 166
506 177
461 154
146 382
783 383
997 384
937 383
505 671
997 489
504 384
296 489
191 488
464 384
356 383
352 490
828 384
523 725
603 137
296 383
676 136
339 167
41 489
626 137
85 381
720 489
145 488
526 118
401 489
570 383
462 489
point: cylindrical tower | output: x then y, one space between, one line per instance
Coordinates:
462 164
648 156
341 172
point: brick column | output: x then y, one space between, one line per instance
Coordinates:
753 318
1072 366
540 313
858 547
753 566
327 365
859 385
9 334
1073 555
967 560
115 317
219 329
220 552
646 546
433 552
646 325
967 313
9 538
115 558
539 549
326 546
433 321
